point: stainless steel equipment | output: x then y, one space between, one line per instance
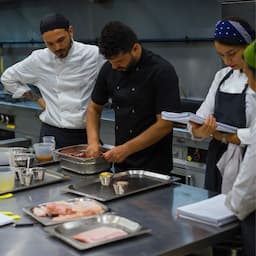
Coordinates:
50 178
70 160
81 204
189 157
67 231
137 181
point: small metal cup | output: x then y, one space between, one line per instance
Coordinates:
38 173
120 187
105 178
18 171
26 177
21 159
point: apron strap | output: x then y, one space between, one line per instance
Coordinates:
226 77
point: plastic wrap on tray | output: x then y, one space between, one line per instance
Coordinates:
74 158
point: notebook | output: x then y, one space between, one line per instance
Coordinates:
185 117
210 211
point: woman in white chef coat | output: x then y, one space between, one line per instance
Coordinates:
242 198
228 100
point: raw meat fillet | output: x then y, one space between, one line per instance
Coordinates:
40 211
62 210
99 234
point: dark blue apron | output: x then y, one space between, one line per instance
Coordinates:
229 109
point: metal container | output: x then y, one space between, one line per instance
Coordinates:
67 231
21 159
105 178
81 165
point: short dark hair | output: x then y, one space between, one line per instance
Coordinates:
53 21
116 38
234 41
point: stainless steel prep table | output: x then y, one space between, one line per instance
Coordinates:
153 209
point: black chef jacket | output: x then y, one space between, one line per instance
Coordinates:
137 97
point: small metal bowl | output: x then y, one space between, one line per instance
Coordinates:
27 178
24 175
120 187
21 159
38 173
105 178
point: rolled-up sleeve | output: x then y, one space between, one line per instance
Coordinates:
16 77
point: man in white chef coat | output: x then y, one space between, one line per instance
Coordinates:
65 73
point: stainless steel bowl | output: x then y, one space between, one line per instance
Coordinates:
38 173
120 187
21 159
81 165
105 178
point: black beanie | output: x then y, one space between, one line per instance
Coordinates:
53 21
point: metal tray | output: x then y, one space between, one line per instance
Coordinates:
49 178
138 180
78 164
47 221
67 230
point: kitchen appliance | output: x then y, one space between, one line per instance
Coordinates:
189 157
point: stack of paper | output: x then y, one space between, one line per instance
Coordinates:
185 117
211 211
4 220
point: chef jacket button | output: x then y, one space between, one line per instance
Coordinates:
133 89
137 68
117 87
133 110
130 131
117 127
117 107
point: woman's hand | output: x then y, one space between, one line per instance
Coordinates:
206 129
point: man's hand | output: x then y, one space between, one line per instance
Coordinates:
117 154
30 95
93 150
206 129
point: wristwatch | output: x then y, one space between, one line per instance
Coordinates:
224 138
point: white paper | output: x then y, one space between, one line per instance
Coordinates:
210 211
185 117
4 220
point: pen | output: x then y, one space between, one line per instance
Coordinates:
20 225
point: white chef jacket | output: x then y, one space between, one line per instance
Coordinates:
234 84
242 198
65 83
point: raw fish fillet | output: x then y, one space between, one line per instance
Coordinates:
99 234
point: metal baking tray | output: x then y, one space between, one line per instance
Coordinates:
47 221
49 178
65 231
138 180
79 164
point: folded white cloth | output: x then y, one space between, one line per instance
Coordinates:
229 165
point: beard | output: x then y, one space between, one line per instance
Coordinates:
62 53
131 66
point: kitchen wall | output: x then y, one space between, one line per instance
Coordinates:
186 25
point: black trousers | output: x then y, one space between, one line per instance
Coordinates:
248 234
63 137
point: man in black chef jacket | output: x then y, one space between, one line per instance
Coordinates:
140 85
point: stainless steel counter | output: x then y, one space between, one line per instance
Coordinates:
153 209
